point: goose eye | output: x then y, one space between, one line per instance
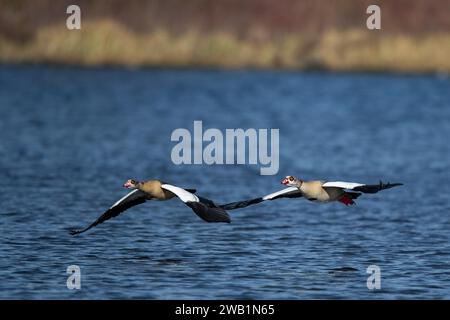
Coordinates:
133 181
291 179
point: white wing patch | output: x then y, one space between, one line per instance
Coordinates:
342 184
275 194
124 197
184 195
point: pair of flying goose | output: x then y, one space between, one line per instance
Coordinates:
319 191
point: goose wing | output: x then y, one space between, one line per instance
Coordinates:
365 188
132 199
204 208
291 192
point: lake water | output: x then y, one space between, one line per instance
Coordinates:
70 137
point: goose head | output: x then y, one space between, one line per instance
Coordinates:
131 184
291 181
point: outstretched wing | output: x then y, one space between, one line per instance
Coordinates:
132 199
365 188
291 192
240 204
204 208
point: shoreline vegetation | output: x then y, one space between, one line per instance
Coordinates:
106 42
230 34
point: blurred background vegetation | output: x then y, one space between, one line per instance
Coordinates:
288 34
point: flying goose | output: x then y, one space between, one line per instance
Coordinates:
319 191
157 190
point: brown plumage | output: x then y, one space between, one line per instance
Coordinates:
323 191
154 191
317 190
158 190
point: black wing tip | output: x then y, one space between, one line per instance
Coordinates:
377 187
390 185
208 212
74 232
241 204
217 218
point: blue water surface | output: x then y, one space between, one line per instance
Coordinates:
71 136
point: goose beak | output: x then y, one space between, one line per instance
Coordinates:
285 181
